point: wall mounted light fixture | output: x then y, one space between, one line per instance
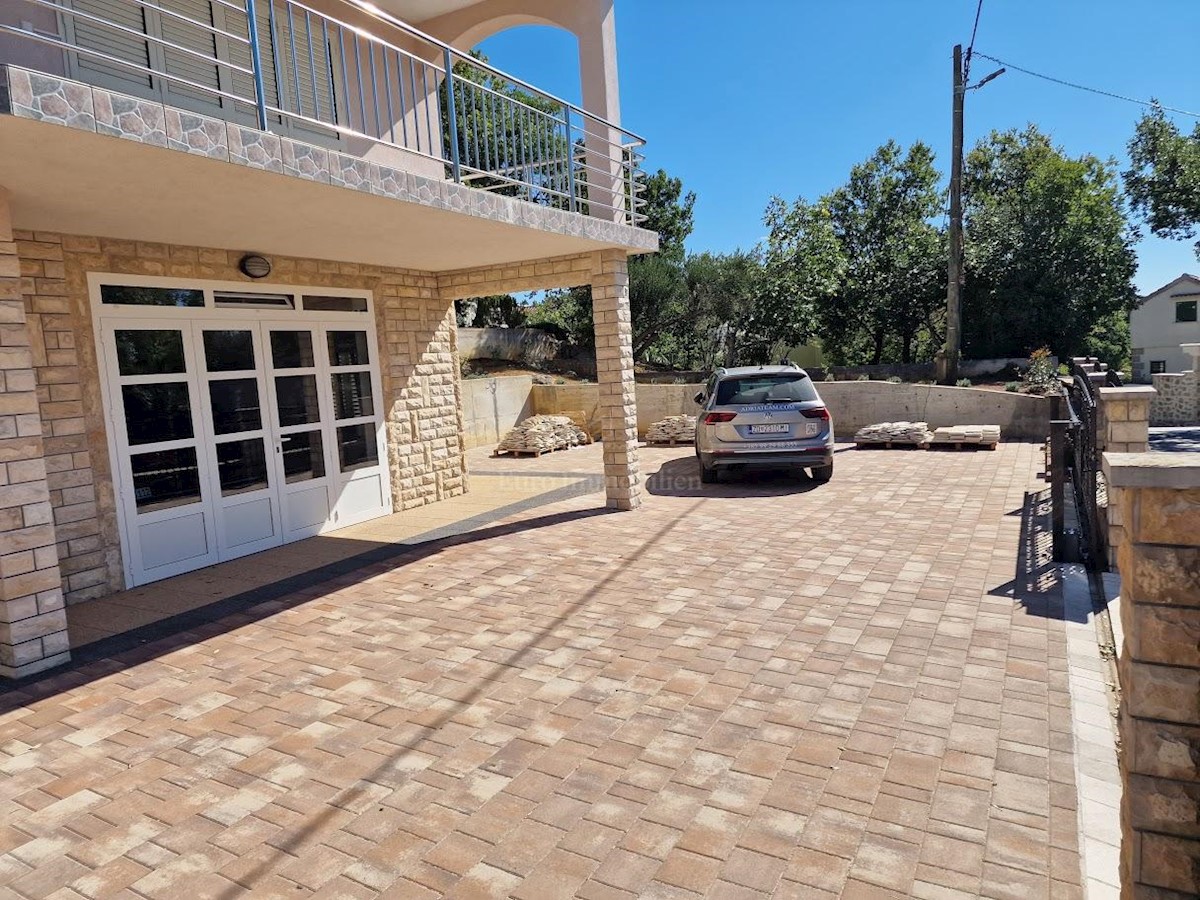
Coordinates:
255 266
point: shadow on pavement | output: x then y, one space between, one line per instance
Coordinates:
1036 584
681 478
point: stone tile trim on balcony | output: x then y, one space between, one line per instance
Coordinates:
60 101
1159 672
33 623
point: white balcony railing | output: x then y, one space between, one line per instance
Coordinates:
359 81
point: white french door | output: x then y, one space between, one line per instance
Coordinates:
234 435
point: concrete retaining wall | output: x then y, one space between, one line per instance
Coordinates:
491 406
854 404
654 401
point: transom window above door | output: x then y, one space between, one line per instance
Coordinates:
236 427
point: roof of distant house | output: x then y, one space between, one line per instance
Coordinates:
1186 276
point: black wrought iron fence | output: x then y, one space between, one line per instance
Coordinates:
1075 461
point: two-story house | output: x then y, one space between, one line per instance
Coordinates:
1162 321
231 237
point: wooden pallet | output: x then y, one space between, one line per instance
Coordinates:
962 445
676 443
890 445
534 453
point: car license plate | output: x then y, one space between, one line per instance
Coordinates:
769 429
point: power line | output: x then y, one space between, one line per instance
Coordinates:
1090 90
971 45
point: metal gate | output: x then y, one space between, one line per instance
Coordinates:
1075 460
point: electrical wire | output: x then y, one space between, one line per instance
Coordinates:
1091 90
971 45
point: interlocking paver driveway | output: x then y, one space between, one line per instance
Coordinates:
740 691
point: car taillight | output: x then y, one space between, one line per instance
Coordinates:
818 413
714 417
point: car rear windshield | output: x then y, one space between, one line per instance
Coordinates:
784 388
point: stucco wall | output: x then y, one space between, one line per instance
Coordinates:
491 406
1155 335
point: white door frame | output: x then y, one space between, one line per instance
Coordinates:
110 316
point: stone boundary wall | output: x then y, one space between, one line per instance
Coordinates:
418 367
530 345
967 368
1178 400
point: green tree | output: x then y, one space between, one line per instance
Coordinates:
495 311
893 283
668 211
1049 252
802 269
521 143
1163 180
723 295
657 290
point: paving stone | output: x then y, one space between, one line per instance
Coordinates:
760 687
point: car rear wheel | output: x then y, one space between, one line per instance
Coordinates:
708 474
821 473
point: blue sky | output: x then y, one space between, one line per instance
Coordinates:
765 97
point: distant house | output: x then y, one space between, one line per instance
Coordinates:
1163 320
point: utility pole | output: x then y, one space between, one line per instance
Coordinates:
947 361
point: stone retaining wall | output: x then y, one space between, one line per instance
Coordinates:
1178 400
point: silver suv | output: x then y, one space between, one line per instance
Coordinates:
763 416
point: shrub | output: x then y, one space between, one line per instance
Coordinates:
829 376
963 382
864 377
1012 386
895 379
1041 377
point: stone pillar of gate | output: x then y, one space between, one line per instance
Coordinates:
33 621
614 373
1159 668
1122 426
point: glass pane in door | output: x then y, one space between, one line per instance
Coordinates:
292 349
165 478
348 348
235 405
356 446
157 412
352 395
242 466
296 397
150 352
303 456
229 351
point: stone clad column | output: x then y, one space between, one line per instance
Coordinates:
1123 427
1159 666
33 621
614 373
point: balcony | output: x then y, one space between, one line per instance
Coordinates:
348 84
